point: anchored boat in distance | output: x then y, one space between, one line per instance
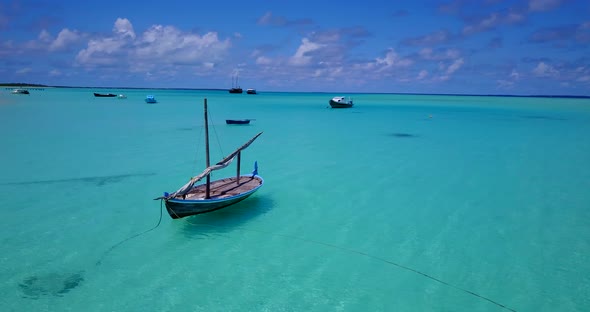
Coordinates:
340 102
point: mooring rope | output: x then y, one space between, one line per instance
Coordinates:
130 238
348 250
389 262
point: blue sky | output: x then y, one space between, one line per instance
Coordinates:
539 47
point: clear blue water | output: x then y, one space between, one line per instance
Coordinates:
402 203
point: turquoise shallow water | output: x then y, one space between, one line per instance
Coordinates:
402 203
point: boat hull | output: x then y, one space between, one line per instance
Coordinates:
237 121
221 196
150 99
236 90
20 91
335 104
104 95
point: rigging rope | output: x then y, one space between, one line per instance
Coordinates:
215 132
131 237
364 254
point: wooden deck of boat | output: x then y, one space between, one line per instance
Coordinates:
225 187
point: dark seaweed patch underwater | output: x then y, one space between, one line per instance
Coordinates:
52 284
403 135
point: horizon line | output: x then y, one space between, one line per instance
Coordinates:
33 85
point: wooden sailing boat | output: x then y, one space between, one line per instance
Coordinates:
235 87
193 199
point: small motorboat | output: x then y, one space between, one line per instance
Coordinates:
238 121
121 96
104 94
150 99
20 91
251 91
340 102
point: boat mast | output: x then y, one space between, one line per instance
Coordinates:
239 161
208 187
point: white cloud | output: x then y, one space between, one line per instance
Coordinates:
505 84
509 82
124 28
544 70
164 45
301 57
543 5
448 54
455 66
329 73
45 36
178 47
426 53
55 73
513 17
266 19
25 70
446 71
492 21
482 25
392 59
422 74
435 38
64 38
100 51
262 60
318 73
388 60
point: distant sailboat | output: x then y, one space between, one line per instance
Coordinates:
235 87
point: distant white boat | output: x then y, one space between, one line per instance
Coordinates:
20 91
150 99
340 102
121 96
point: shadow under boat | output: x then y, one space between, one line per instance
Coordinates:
224 221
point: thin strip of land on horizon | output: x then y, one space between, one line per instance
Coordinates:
33 85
